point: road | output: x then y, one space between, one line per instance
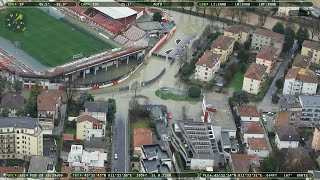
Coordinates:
266 105
58 130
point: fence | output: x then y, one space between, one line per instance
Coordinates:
154 79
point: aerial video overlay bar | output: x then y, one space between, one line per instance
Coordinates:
134 175
41 4
264 175
223 4
137 4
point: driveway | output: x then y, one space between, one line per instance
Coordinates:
59 129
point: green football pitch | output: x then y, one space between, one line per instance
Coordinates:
51 41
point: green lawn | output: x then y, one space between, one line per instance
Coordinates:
140 124
237 81
52 42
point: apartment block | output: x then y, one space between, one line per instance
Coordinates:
223 45
262 37
267 56
312 50
207 66
310 114
254 78
238 32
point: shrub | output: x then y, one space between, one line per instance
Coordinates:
194 92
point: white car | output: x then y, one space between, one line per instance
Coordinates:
264 120
264 116
115 156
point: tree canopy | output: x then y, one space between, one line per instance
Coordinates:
278 28
157 16
31 106
279 83
5 112
289 38
269 164
112 109
302 35
194 91
241 98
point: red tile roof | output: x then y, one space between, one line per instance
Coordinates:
222 42
255 71
11 169
68 137
142 136
248 111
258 144
48 99
237 29
242 162
311 45
252 128
293 73
86 117
208 59
273 35
268 53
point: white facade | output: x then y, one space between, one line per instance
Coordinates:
251 86
292 86
102 116
285 144
284 11
259 40
201 164
246 136
205 73
250 119
261 153
94 133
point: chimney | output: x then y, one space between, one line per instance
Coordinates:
206 114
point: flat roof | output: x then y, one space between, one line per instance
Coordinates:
310 100
223 116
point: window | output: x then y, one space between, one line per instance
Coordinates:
207 69
17 131
205 73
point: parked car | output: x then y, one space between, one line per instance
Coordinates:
270 113
264 120
170 115
115 156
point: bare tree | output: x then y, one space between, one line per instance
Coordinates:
232 13
70 90
211 11
135 87
217 11
312 27
262 18
240 14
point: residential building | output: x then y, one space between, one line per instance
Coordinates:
20 138
287 137
12 101
88 127
254 78
216 110
262 37
96 109
95 144
239 32
244 163
297 160
251 130
258 146
10 169
267 56
312 50
49 103
310 115
223 45
207 66
85 161
141 136
156 159
296 83
316 138
289 103
286 118
284 11
301 62
229 145
50 149
248 113
41 164
196 143
315 69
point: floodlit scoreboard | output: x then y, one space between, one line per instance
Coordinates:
133 175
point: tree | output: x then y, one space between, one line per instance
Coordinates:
85 96
312 27
289 38
5 112
31 107
157 16
262 18
279 83
240 13
2 85
243 55
71 91
302 35
232 13
269 164
194 91
17 85
243 68
112 109
20 112
236 46
278 28
275 99
241 98
135 87
247 44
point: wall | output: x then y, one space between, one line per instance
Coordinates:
309 88
246 136
162 41
201 164
247 119
254 89
285 144
260 153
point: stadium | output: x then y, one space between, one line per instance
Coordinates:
83 45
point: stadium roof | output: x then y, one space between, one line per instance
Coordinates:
114 12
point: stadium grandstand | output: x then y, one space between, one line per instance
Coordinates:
2 4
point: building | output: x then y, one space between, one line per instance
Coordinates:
85 161
296 83
244 163
95 144
49 104
88 127
262 37
267 56
312 50
20 138
50 149
310 110
238 32
196 143
207 66
141 136
254 78
284 11
258 146
10 169
156 159
223 45
289 103
302 62
286 118
248 113
14 102
216 110
287 137
41 164
251 130
96 109
316 138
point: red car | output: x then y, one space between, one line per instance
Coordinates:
170 115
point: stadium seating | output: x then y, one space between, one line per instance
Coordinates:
78 10
111 25
129 44
134 33
90 12
121 39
